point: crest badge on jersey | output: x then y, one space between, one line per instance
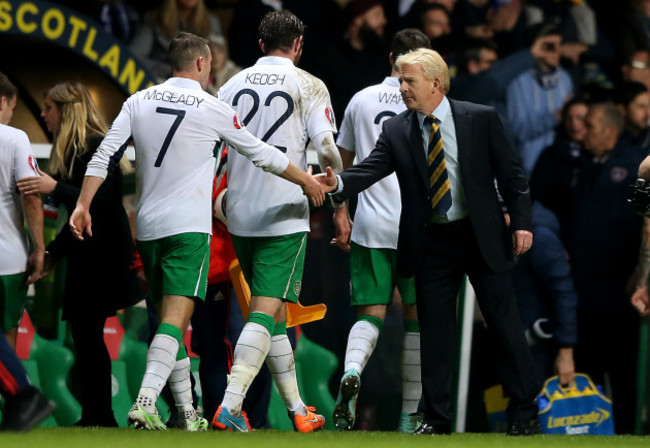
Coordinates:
237 122
33 164
618 174
329 113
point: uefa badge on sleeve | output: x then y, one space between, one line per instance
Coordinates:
236 122
33 163
329 113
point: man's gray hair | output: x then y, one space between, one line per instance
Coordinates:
432 64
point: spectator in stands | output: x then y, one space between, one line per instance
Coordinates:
636 32
242 35
97 268
223 68
119 18
553 173
17 267
483 77
357 59
547 299
603 240
637 68
500 21
586 53
634 103
152 39
534 99
433 21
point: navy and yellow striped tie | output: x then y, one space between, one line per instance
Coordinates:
438 177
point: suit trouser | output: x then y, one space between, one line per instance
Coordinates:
93 364
451 251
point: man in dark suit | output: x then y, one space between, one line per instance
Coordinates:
446 155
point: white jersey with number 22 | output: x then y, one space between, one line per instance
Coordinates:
284 106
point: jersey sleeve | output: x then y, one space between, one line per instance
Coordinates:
112 148
24 161
346 139
232 130
319 114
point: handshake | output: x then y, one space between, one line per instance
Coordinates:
315 186
639 197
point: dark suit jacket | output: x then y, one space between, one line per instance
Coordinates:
484 154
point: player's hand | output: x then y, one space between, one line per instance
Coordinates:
34 185
522 240
639 300
35 266
80 221
312 189
564 366
328 180
343 227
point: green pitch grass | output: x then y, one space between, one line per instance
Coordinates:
127 438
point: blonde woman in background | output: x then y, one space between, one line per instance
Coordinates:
222 68
152 39
97 278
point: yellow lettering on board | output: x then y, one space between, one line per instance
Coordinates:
88 46
77 25
111 59
59 18
130 75
24 9
5 18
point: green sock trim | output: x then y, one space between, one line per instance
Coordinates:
411 326
262 319
171 330
182 352
377 322
280 328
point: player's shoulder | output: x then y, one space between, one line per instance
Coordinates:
13 136
310 85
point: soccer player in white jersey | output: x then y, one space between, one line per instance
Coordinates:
176 128
373 250
17 269
269 220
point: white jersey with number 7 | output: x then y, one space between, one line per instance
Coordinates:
176 129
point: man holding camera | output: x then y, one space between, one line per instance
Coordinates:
534 99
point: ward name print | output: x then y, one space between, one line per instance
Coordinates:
390 98
265 79
173 97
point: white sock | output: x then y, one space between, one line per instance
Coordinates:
361 343
411 373
161 359
283 368
251 349
181 386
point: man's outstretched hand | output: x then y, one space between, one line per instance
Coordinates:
313 190
327 180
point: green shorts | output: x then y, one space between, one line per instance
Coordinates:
13 295
272 265
176 265
373 276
